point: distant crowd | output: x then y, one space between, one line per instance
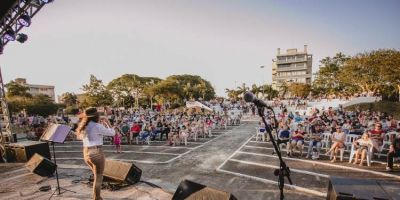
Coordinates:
336 131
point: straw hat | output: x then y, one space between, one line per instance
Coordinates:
89 112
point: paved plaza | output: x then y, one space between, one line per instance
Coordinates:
231 160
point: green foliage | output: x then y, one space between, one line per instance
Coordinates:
389 107
69 99
266 90
371 72
232 94
326 79
96 93
19 100
71 110
131 85
17 104
40 104
176 88
16 90
299 89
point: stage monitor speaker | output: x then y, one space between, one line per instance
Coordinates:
40 165
122 171
188 190
354 189
23 151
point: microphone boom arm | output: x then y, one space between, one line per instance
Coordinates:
283 170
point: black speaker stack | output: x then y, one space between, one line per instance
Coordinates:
189 190
122 171
40 165
23 151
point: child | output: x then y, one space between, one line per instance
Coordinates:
117 140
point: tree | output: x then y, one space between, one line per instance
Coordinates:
301 90
255 90
69 99
232 94
242 89
96 93
14 89
326 79
388 63
150 92
130 85
42 105
180 87
202 88
269 92
284 89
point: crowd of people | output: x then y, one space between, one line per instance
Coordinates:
141 126
327 129
175 127
337 130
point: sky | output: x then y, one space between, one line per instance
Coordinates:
223 41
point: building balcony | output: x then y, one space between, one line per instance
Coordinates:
287 69
293 77
290 61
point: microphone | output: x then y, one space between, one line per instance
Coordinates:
251 98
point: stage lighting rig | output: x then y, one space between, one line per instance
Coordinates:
21 37
9 35
24 20
15 15
1 47
45 1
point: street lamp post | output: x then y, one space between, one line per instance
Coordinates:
263 88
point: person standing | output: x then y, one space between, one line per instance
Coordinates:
135 130
394 151
117 140
91 130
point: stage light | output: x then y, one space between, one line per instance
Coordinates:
45 1
1 47
24 20
9 35
21 37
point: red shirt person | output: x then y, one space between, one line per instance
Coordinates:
377 135
135 130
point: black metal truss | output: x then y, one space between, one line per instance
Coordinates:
10 19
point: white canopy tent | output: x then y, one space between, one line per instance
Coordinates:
197 105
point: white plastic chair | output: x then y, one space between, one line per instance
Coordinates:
300 149
348 142
259 133
350 138
341 154
387 141
369 154
184 137
326 137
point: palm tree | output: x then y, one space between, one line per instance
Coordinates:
233 94
255 90
243 89
284 88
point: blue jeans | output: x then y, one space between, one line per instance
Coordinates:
313 143
143 135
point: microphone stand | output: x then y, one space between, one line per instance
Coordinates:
283 170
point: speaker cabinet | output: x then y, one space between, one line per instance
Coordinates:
122 171
349 189
23 151
40 165
188 190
